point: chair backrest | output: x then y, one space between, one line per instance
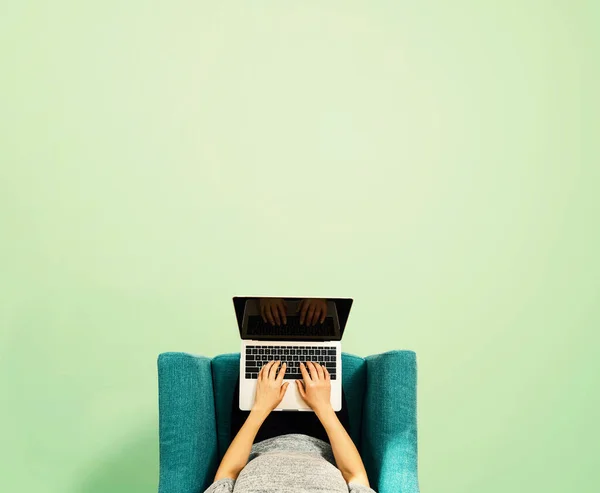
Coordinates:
225 371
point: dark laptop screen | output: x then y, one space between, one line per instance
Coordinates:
285 318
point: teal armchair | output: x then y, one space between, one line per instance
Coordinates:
195 395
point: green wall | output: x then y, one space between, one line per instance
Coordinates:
437 161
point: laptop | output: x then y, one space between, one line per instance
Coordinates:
271 329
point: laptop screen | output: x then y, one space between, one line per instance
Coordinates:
292 319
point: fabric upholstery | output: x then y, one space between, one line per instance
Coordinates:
354 374
187 423
389 436
195 395
226 369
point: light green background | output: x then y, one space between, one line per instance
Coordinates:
434 160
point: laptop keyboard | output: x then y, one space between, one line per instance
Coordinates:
293 327
258 356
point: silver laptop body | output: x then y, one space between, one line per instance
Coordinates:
292 343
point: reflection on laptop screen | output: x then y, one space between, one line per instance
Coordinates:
268 318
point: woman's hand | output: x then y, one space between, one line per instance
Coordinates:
315 388
274 310
269 388
316 391
312 310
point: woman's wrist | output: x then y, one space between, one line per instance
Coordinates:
259 414
325 414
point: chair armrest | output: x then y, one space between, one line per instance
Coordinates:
389 437
187 424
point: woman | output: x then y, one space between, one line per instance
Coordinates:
292 462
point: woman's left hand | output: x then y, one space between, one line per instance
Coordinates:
269 388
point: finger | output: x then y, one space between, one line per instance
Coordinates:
326 373
301 390
313 371
270 315
283 390
281 313
260 372
275 311
311 313
273 370
323 315
317 315
304 372
264 371
281 373
262 314
266 368
283 310
303 311
319 370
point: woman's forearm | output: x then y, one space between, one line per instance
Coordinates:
238 452
346 455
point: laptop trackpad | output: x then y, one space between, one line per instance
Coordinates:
292 399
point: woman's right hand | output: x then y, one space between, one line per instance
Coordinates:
315 386
273 310
316 391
